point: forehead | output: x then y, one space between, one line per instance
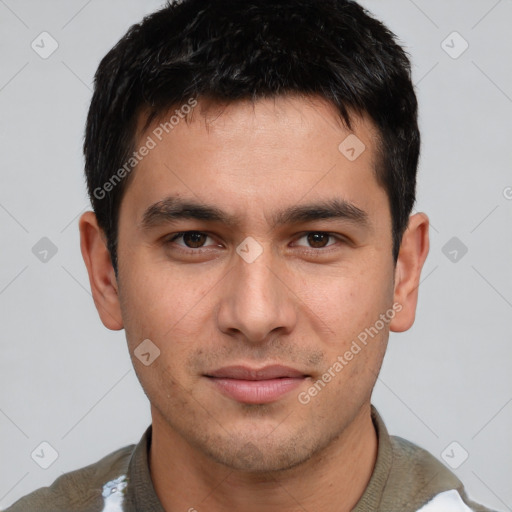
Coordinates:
277 149
292 116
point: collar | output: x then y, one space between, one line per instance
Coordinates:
141 494
371 498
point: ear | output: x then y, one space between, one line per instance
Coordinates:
412 255
101 272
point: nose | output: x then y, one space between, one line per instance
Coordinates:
257 300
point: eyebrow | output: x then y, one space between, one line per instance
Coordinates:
174 208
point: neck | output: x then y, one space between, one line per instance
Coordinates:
331 481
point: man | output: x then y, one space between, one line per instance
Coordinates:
252 170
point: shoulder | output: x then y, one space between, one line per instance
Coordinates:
432 486
80 490
413 464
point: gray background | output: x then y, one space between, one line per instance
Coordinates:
67 380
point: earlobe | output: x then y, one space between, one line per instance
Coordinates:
413 252
102 278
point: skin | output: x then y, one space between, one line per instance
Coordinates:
299 304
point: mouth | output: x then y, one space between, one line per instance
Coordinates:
256 385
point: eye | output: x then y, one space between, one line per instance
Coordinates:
317 239
191 239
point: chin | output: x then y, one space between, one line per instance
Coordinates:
260 454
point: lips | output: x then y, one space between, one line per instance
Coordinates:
256 385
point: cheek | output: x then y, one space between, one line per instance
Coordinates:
154 296
348 301
155 311
168 308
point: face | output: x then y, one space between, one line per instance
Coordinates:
254 254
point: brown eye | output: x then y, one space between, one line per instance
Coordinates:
318 240
194 239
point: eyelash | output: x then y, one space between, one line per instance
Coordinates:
199 250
